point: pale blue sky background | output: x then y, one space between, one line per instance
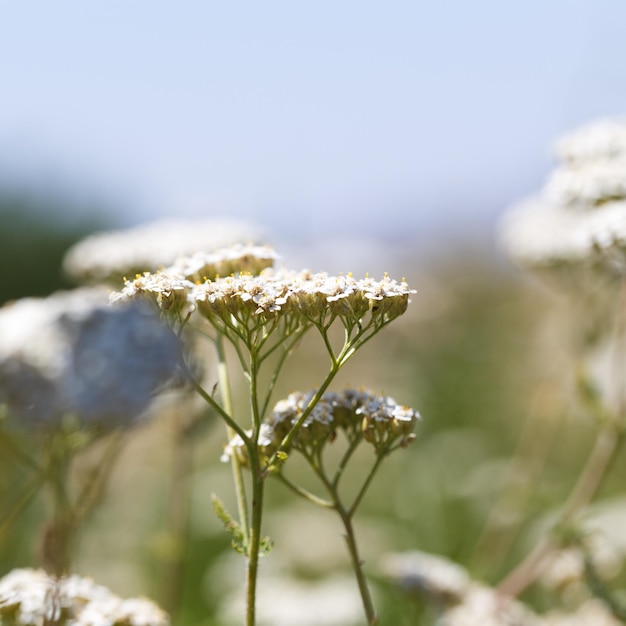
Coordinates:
387 117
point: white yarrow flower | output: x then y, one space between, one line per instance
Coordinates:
579 219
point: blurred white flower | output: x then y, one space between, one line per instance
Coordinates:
32 598
567 568
72 354
600 139
149 247
286 601
460 600
590 613
579 219
540 236
438 579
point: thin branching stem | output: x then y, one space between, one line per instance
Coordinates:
254 544
350 450
56 549
346 517
213 403
287 350
604 451
284 445
93 489
366 484
224 384
305 493
258 490
27 494
357 566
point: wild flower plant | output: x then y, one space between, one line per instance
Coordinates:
574 234
263 313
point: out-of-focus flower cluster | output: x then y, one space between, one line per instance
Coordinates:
72 355
236 259
579 219
109 256
288 601
359 414
33 598
461 601
458 600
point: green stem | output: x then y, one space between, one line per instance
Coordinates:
178 510
254 545
58 536
366 484
224 385
213 403
258 476
284 444
589 482
93 488
9 446
304 493
354 444
10 516
357 566
287 350
350 537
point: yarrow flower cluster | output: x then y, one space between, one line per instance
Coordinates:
236 296
32 598
359 414
313 296
579 219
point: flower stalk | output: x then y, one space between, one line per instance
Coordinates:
263 313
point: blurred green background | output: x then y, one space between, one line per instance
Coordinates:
499 447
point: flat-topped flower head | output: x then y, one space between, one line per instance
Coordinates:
31 597
359 414
73 355
579 219
312 296
109 256
254 292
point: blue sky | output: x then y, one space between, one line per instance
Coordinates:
353 115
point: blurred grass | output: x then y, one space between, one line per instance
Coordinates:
474 354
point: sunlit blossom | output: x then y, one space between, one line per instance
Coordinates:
272 292
379 420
